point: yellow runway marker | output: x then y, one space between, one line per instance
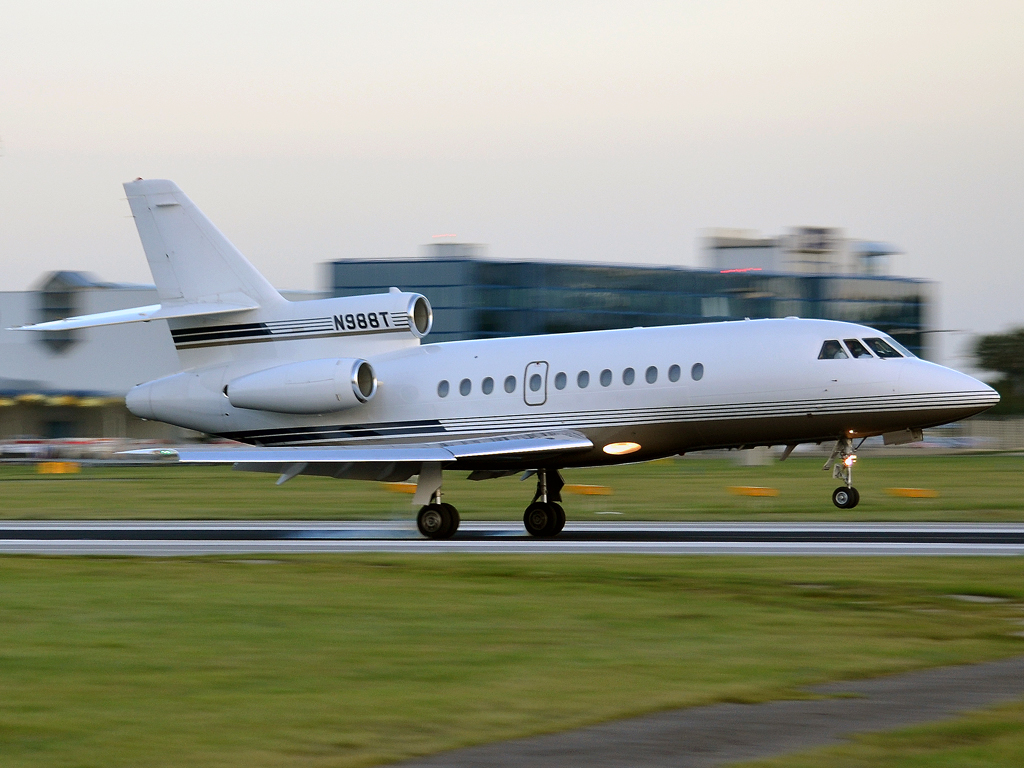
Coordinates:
588 490
913 493
752 490
400 487
58 467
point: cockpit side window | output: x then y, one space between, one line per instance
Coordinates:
882 348
856 348
832 350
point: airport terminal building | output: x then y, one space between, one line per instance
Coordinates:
744 276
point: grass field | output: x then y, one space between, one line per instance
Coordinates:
344 661
992 737
973 487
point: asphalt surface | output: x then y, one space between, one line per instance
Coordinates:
729 733
171 538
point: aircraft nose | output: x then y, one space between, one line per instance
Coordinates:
947 388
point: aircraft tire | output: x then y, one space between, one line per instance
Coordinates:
559 519
845 498
539 518
433 521
453 520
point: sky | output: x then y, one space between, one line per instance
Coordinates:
598 131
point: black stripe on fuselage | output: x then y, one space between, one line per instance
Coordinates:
249 333
568 420
338 432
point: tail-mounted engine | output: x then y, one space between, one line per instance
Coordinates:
311 386
382 313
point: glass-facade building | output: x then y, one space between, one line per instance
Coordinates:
481 298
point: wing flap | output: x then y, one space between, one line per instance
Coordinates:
498 448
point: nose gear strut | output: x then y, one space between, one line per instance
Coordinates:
842 460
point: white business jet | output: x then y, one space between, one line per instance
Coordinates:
343 387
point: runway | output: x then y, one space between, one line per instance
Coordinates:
178 538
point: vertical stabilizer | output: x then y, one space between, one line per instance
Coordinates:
189 257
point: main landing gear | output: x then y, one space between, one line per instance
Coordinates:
438 520
545 516
842 460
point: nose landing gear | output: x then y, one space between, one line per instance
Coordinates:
545 516
842 460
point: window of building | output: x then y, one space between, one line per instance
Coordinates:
465 387
487 385
673 373
856 348
832 350
583 379
882 348
560 380
606 377
510 384
442 388
628 376
651 374
697 372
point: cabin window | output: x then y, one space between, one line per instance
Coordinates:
442 388
510 384
856 348
628 376
465 387
697 372
560 380
882 348
651 374
673 373
606 377
487 385
583 379
832 350
535 382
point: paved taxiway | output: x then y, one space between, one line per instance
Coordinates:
170 538
721 734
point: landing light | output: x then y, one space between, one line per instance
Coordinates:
620 449
850 460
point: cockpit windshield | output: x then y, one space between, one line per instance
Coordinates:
856 348
882 348
906 352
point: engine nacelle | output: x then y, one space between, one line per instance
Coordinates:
311 386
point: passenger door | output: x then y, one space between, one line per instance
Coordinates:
535 383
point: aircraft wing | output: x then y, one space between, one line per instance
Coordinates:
380 461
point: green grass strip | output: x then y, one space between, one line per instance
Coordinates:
973 487
357 660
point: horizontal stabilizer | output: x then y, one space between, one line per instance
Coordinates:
239 303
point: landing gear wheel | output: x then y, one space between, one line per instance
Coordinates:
845 498
431 521
559 519
540 519
453 520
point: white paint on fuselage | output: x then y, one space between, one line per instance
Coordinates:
761 383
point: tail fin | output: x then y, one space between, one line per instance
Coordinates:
190 259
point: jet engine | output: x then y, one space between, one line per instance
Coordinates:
311 386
